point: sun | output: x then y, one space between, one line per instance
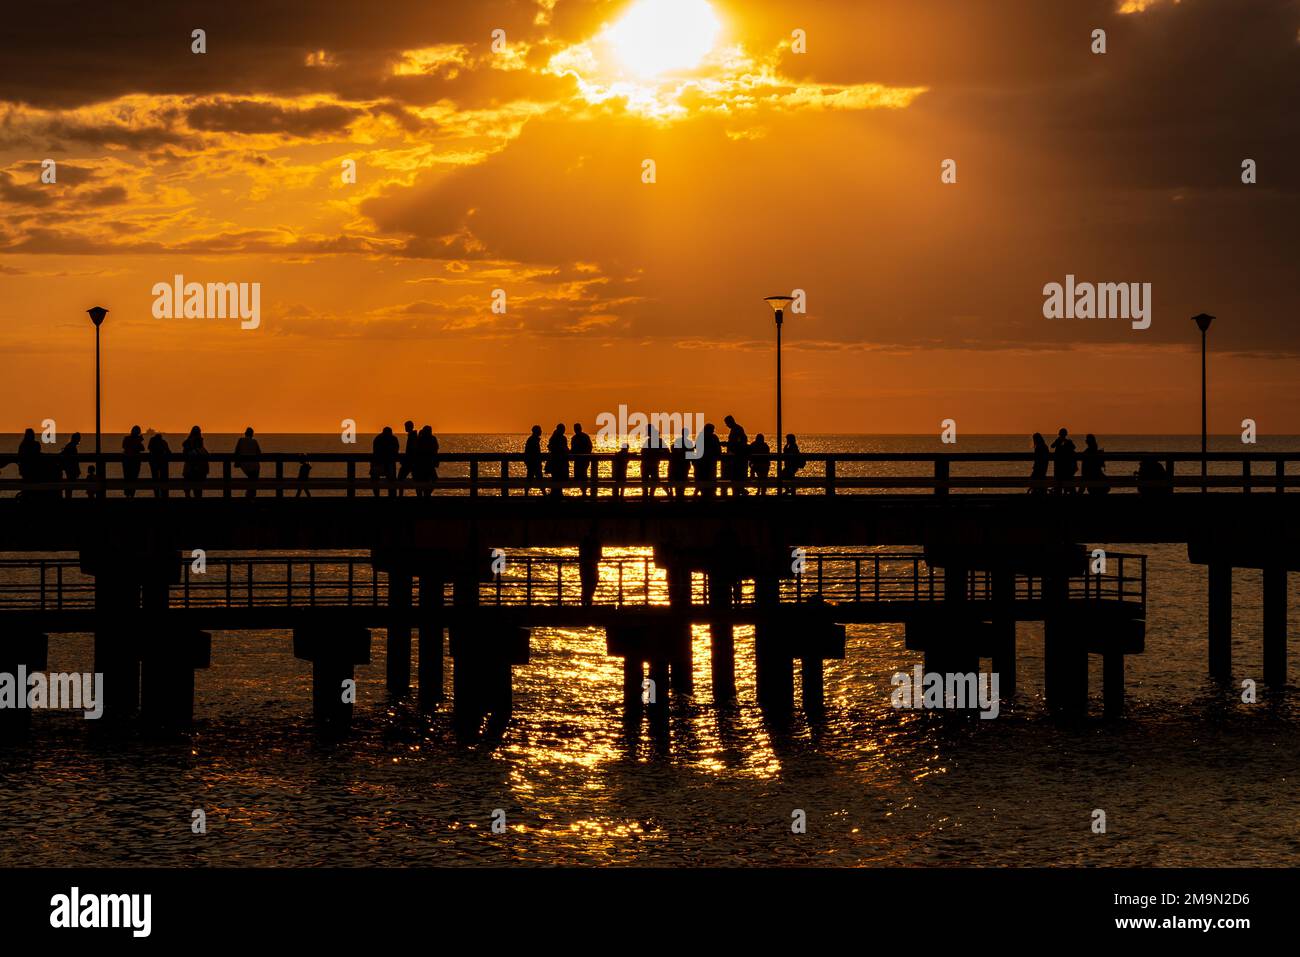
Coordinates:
662 36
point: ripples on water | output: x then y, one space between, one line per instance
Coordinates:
1190 777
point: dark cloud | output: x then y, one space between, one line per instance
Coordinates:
253 116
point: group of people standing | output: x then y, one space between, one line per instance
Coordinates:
743 460
1089 466
418 462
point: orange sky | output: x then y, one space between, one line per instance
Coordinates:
521 169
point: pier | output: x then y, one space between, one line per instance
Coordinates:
949 546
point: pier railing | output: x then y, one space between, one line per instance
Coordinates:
545 580
505 474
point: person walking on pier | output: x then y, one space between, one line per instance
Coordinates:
132 455
652 453
159 453
618 469
1065 462
408 457
792 461
760 465
557 460
581 448
71 466
384 452
737 469
706 466
195 470
679 466
1042 456
424 461
533 459
304 473
29 457
248 457
1094 466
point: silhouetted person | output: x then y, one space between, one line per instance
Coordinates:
557 460
737 468
533 459
1093 465
679 466
425 461
760 466
706 466
1042 456
132 456
384 451
407 469
247 451
304 473
159 451
1064 462
91 492
652 453
70 466
29 457
581 448
792 461
618 469
1152 477
195 469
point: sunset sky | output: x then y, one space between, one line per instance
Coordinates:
521 168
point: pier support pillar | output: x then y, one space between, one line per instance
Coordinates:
813 680
168 661
1220 620
1065 655
722 643
682 665
1003 633
482 682
633 675
657 707
1275 625
773 663
398 660
20 655
334 653
431 646
117 652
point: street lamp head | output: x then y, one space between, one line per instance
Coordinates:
778 304
1202 321
97 314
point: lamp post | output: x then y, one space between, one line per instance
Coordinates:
97 314
778 304
1203 323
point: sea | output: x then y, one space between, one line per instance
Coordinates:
1191 775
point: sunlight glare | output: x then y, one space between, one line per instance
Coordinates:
659 36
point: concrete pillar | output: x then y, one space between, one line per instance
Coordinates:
657 710
1220 620
1275 625
20 654
431 647
1004 632
682 664
1065 655
168 661
633 674
334 652
773 663
117 653
398 660
481 678
722 643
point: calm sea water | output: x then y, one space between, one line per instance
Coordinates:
1192 776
